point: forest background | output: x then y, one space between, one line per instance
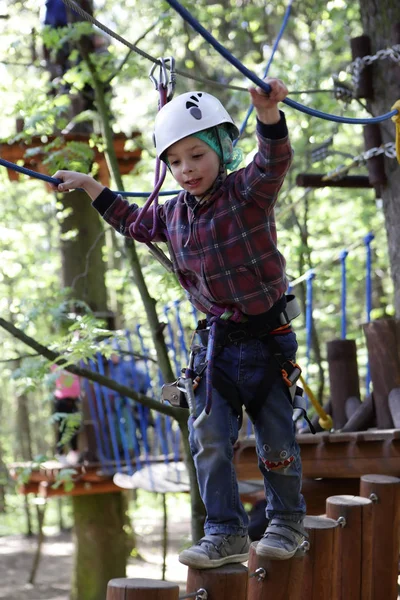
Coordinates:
313 229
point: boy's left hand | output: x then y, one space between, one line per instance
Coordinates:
266 105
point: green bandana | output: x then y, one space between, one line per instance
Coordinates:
230 156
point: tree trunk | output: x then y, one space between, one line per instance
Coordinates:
100 544
83 267
25 449
382 24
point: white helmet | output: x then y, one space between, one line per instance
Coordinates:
187 114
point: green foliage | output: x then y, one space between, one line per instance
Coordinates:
65 478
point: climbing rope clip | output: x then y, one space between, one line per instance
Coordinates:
166 76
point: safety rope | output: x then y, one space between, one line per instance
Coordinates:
342 257
185 14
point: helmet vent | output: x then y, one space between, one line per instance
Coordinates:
193 107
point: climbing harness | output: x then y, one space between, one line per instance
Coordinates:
218 332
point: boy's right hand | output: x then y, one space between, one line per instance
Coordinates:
72 180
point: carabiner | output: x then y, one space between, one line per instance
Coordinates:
165 79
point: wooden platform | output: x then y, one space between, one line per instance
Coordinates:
326 456
334 455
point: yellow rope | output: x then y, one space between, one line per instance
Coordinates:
396 120
324 420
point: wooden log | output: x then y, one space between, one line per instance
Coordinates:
274 579
343 377
141 589
385 493
354 546
394 406
223 583
316 180
363 418
320 578
376 164
351 405
316 491
361 46
383 344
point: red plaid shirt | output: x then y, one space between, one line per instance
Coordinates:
225 250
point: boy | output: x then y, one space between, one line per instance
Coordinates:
222 240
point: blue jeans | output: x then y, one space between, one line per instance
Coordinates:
245 365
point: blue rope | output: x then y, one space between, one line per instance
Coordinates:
119 402
274 49
343 256
309 311
110 416
368 295
101 415
56 181
185 14
95 423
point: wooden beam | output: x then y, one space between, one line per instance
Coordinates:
335 455
81 488
316 180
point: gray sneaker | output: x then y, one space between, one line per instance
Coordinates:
216 550
281 539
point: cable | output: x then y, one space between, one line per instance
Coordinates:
142 53
54 181
185 14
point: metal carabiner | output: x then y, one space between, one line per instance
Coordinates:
165 79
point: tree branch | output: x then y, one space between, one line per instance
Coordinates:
176 413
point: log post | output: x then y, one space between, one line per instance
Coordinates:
383 344
355 545
361 46
384 491
223 583
318 180
316 491
343 377
376 164
141 589
363 417
321 561
274 579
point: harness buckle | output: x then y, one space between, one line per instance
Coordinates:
290 372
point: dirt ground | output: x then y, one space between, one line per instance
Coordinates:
54 573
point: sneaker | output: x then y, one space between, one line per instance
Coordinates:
216 550
281 539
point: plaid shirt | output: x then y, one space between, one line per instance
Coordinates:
224 251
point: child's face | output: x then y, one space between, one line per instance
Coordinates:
194 165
